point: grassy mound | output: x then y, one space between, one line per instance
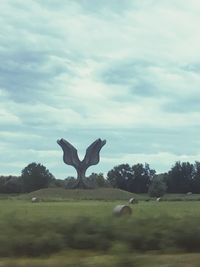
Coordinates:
79 194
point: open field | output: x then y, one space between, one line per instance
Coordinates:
68 209
89 259
67 232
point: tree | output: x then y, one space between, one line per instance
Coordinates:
57 183
69 182
35 176
195 183
98 180
134 179
119 176
142 175
10 184
180 177
157 187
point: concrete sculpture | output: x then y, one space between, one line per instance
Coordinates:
70 157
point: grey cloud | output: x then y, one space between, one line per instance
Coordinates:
183 105
120 142
123 72
32 52
134 75
195 67
38 42
146 140
145 89
88 6
99 6
138 140
23 73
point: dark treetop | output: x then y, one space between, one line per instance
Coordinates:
70 157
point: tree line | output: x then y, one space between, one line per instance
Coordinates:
183 177
33 177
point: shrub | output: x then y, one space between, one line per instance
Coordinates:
118 236
157 187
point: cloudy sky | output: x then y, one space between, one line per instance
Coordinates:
125 71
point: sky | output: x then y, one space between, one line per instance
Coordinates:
125 71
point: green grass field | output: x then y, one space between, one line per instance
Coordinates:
68 209
77 228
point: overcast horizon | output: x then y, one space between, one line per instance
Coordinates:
125 71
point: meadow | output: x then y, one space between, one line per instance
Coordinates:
76 228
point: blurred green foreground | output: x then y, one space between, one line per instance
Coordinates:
85 233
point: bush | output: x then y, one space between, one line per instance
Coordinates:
186 235
157 187
10 184
118 237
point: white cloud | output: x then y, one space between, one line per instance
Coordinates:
82 69
161 162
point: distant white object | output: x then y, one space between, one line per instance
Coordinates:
133 201
189 193
158 199
121 210
34 199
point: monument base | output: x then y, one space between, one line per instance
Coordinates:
79 184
